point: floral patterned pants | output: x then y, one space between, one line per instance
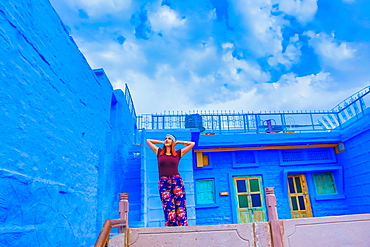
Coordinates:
172 192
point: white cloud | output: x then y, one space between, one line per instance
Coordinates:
299 93
227 45
303 10
98 8
265 29
303 86
161 93
245 101
334 53
266 33
110 55
290 56
333 50
312 92
250 71
291 93
165 19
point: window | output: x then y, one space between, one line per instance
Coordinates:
205 191
319 154
202 159
244 159
292 156
324 183
307 156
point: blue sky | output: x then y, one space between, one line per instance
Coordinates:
242 55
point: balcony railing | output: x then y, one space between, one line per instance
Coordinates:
223 122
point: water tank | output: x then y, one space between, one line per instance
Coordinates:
194 121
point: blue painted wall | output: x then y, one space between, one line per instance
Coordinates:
350 169
64 133
356 163
274 174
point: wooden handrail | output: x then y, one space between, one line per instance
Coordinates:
103 238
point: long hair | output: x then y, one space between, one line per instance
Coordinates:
173 150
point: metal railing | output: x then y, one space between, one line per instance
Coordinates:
223 122
354 107
130 102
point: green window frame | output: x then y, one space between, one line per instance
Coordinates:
205 191
324 183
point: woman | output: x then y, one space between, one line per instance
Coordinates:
171 186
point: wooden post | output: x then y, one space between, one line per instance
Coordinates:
123 209
273 217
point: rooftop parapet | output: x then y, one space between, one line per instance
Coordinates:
272 122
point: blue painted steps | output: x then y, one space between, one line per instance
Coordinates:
132 184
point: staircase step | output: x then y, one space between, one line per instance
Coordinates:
132 184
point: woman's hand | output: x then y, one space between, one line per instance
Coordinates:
183 142
189 146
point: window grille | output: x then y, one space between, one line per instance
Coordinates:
244 157
292 156
322 154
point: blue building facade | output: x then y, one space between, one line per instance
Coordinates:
319 166
235 169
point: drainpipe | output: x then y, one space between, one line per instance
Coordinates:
273 217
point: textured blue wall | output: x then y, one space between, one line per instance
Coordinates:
356 162
59 165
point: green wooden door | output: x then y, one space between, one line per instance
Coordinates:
250 201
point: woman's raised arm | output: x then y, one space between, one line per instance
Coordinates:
189 146
153 147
